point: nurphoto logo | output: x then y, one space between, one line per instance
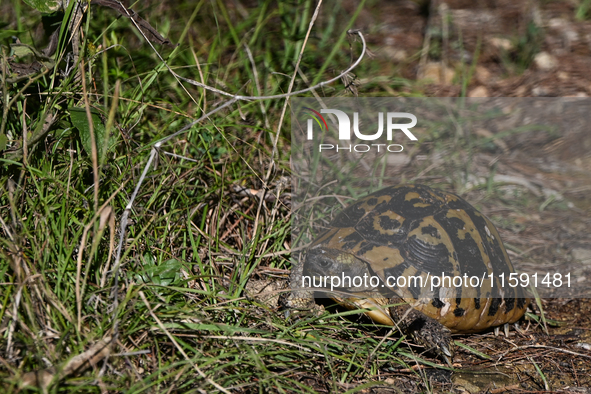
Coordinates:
345 129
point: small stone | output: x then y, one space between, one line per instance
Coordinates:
540 91
436 73
544 61
520 91
501 43
482 74
557 23
397 159
466 386
582 255
394 54
479 91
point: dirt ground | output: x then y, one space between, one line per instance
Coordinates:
516 48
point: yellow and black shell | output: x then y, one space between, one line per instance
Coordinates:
415 231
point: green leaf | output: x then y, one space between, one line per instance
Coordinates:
80 121
164 274
22 50
3 141
5 33
45 6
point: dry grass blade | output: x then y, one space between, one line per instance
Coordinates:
77 364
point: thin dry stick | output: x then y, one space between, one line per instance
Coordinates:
512 388
180 349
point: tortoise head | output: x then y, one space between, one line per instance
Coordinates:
326 264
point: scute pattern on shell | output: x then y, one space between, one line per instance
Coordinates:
415 230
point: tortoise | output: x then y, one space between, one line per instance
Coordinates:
407 232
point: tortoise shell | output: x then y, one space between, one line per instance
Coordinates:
413 231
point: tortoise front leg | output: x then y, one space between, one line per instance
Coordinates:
424 330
